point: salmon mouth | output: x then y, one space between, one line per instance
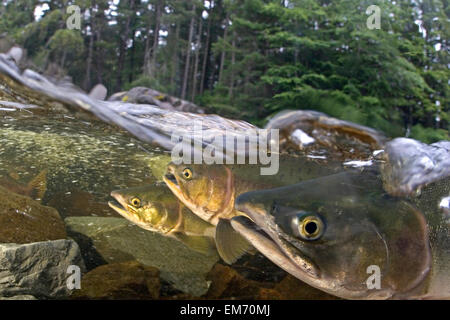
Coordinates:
120 205
172 182
177 189
265 244
116 206
126 211
262 232
170 177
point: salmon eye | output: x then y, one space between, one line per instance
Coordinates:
135 202
187 173
308 227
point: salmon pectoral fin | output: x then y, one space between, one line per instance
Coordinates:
230 244
202 244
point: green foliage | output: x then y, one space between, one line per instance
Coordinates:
257 57
428 135
66 40
16 14
36 34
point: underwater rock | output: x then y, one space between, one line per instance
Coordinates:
120 281
258 268
24 220
291 288
38 269
109 240
227 283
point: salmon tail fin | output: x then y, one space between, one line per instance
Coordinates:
38 186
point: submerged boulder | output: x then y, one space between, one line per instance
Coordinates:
24 220
291 288
38 269
113 240
120 281
227 283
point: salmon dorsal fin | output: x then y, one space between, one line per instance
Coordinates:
230 244
38 185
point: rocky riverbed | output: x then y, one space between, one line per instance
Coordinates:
118 260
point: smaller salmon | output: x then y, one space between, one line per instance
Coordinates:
154 208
